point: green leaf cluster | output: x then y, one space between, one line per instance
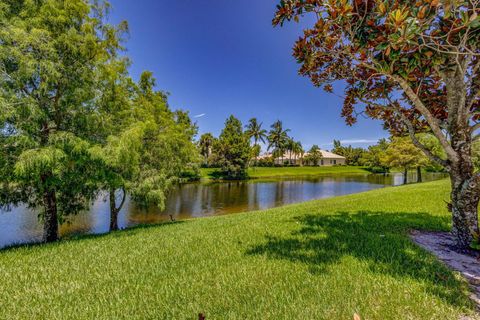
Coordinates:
233 150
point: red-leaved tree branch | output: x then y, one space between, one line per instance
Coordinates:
412 64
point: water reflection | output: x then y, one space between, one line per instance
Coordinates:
200 200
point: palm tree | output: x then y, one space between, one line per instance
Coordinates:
205 145
298 151
254 131
314 155
290 147
277 138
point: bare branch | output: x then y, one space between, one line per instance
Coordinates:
418 144
411 131
431 120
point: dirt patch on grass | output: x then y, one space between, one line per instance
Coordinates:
442 245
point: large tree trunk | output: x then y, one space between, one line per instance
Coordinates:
50 217
464 181
50 214
419 174
465 198
405 176
114 210
256 157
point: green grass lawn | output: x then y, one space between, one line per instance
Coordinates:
323 259
270 172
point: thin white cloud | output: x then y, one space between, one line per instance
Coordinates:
354 141
357 141
200 115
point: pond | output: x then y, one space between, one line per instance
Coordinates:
21 225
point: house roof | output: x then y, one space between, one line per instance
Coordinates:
331 155
325 155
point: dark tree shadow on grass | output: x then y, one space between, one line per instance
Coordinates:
378 238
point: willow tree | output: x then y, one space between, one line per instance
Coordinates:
414 65
118 137
167 147
148 148
51 54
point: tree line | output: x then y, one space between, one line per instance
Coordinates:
233 151
74 124
238 148
395 152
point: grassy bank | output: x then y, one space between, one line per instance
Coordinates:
271 172
324 259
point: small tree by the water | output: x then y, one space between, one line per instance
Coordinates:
372 157
233 150
402 153
148 153
51 59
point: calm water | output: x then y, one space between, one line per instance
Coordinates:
199 200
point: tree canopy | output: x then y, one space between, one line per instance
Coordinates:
73 123
148 152
51 55
353 156
233 150
413 64
205 145
372 158
278 139
314 155
255 131
401 153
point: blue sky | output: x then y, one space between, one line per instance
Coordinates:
222 57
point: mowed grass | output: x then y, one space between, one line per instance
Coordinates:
325 259
288 172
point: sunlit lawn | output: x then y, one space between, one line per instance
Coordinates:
267 172
324 259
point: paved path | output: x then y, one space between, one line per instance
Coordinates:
441 244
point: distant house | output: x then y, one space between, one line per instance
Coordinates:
328 159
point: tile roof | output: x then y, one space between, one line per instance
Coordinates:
325 155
